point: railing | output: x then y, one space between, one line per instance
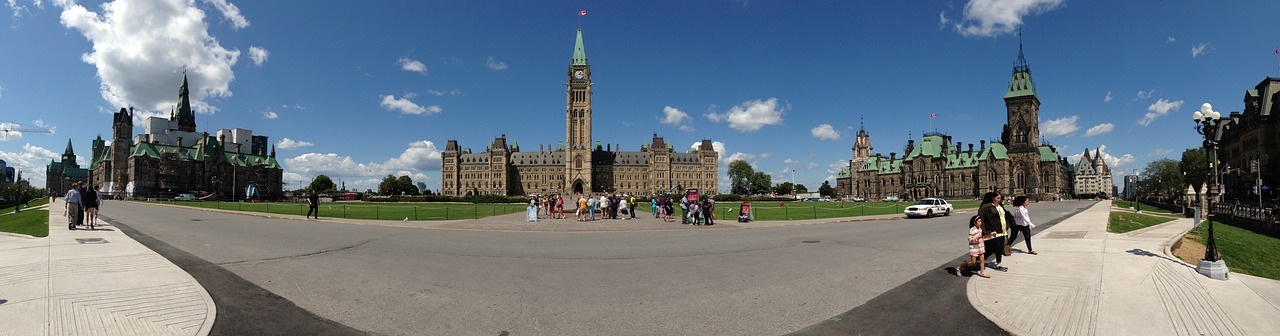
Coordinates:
1264 220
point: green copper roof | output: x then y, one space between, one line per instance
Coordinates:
68 151
1048 154
997 150
1021 85
929 146
579 54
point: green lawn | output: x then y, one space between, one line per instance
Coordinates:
1243 250
1121 222
443 211
1145 207
383 211
33 223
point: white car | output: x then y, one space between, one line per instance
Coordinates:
929 207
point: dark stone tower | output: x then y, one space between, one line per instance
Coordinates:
186 118
1022 132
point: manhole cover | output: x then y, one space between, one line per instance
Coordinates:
1066 234
811 241
92 240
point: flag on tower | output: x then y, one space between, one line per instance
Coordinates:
582 13
933 115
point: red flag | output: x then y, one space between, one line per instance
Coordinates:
932 115
582 13
1277 51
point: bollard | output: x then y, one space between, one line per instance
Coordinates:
415 212
815 212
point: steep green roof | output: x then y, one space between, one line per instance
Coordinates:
69 150
579 53
929 146
1048 154
844 173
996 149
1021 85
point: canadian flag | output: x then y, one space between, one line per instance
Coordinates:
582 13
933 115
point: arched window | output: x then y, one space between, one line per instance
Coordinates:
577 161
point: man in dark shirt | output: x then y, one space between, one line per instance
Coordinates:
313 202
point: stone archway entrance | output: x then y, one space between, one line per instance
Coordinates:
577 187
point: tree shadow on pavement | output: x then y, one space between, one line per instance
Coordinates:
1146 253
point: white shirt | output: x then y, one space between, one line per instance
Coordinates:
1021 217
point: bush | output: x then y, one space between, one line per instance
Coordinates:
443 198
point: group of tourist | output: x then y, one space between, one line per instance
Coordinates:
993 230
82 205
698 212
552 205
609 207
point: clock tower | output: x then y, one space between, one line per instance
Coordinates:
578 123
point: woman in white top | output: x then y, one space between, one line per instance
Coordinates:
1022 222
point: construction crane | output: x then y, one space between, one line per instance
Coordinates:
11 128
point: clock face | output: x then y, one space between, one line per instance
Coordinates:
578 74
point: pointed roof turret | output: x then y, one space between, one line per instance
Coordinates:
186 119
69 150
1021 84
579 53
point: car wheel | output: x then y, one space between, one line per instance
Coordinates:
948 212
929 214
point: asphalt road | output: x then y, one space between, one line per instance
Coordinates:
874 277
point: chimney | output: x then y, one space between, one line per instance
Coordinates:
237 148
982 145
893 156
970 148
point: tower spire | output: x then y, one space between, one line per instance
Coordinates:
579 53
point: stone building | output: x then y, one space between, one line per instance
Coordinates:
578 163
1093 176
60 175
171 158
1253 139
937 167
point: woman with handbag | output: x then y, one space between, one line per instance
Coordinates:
1022 223
994 228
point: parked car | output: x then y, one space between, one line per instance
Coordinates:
891 198
929 207
858 199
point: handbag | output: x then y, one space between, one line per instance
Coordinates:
1008 250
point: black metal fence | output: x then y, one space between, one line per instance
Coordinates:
1263 220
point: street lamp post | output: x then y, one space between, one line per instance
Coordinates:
1137 196
1210 124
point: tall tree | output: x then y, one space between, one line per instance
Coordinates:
422 188
739 174
1162 177
784 188
800 189
1196 168
760 183
826 190
322 184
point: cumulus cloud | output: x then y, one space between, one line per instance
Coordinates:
290 144
405 106
417 158
32 160
1146 94
751 115
942 19
1159 109
495 64
740 156
230 12
991 18
1198 50
7 131
258 55
1100 129
1107 99
441 93
139 65
270 115
1170 40
411 65
1059 127
766 155
825 132
811 165
790 161
675 118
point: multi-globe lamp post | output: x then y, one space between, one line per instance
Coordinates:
1210 124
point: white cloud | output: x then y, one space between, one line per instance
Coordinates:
33 160
1113 162
290 144
1 92
1059 127
1159 109
408 64
751 115
766 155
258 55
825 132
1100 129
495 64
1170 40
139 65
675 118
991 18
7 133
740 156
230 12
811 165
942 19
417 158
270 115
1146 94
835 167
1161 151
405 106
1198 50
1107 99
790 161
441 93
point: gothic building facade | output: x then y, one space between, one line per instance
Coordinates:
171 158
579 163
937 167
1093 176
60 175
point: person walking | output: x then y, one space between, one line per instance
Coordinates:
708 211
653 207
90 202
631 203
74 209
591 207
1022 223
976 248
313 204
994 228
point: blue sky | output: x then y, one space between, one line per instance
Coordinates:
359 91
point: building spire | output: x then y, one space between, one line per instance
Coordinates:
69 151
186 119
1021 85
579 53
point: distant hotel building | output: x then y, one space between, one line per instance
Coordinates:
578 163
936 167
1093 176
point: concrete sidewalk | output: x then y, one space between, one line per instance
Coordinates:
98 282
1086 281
